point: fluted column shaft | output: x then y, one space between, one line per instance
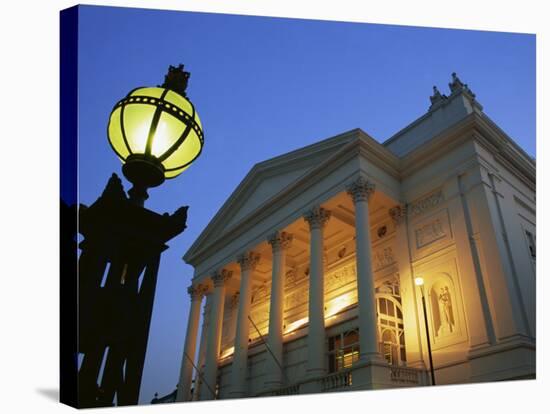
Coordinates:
316 364
248 262
202 346
360 191
186 372
279 241
214 335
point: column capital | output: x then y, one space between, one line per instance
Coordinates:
360 189
398 213
248 260
280 240
317 217
196 292
221 276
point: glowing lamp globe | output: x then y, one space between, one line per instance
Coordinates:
156 132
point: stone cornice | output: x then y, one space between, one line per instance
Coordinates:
477 128
433 149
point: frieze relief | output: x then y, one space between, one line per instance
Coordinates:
425 204
341 276
334 280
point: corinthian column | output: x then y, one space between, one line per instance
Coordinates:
186 373
279 243
316 218
214 335
248 262
360 191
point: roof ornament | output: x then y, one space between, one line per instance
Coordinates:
458 86
437 98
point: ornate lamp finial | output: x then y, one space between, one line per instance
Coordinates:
176 79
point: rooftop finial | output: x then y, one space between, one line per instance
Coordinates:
176 79
437 97
458 86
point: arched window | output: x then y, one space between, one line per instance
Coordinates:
391 329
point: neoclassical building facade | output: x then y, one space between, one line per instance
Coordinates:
306 275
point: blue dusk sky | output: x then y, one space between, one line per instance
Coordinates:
263 87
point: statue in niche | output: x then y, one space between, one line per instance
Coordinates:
445 312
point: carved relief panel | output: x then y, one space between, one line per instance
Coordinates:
430 233
383 256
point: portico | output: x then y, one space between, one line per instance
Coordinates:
263 290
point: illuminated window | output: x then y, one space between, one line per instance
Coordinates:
343 350
391 329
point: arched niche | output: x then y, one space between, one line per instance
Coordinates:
443 306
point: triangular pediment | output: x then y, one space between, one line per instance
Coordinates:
264 181
266 186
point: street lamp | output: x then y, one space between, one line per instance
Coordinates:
420 282
156 132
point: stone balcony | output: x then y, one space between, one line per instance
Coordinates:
352 379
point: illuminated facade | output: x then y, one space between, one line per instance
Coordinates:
307 271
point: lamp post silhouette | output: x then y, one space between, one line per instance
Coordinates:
420 283
157 134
